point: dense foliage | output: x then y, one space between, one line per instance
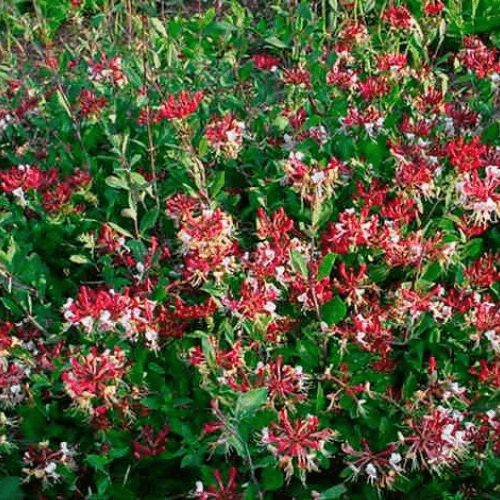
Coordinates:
249 256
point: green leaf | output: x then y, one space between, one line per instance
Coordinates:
304 12
333 492
249 402
208 350
149 219
155 367
272 479
298 262
207 18
158 26
203 147
320 398
432 272
79 259
217 184
239 12
138 180
334 311
326 266
119 229
10 488
116 182
130 213
98 462
473 248
63 102
138 249
251 492
238 445
276 42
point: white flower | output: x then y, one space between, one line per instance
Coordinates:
270 307
372 472
265 435
318 177
231 136
87 323
51 467
446 435
105 316
289 142
491 414
395 460
19 194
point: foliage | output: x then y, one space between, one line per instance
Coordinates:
249 256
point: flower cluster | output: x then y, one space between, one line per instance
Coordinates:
42 462
207 237
297 443
225 135
267 306
107 311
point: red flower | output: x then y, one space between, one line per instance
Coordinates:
488 373
439 439
155 445
298 440
478 58
433 7
56 198
92 375
398 17
284 381
90 104
256 299
482 272
222 491
466 157
393 62
373 87
225 135
296 76
265 61
26 177
179 107
198 311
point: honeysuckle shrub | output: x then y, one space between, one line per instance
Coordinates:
250 256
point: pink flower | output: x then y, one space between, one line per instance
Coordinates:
440 439
93 375
284 381
298 441
225 135
478 58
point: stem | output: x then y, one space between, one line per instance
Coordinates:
129 22
151 147
252 473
